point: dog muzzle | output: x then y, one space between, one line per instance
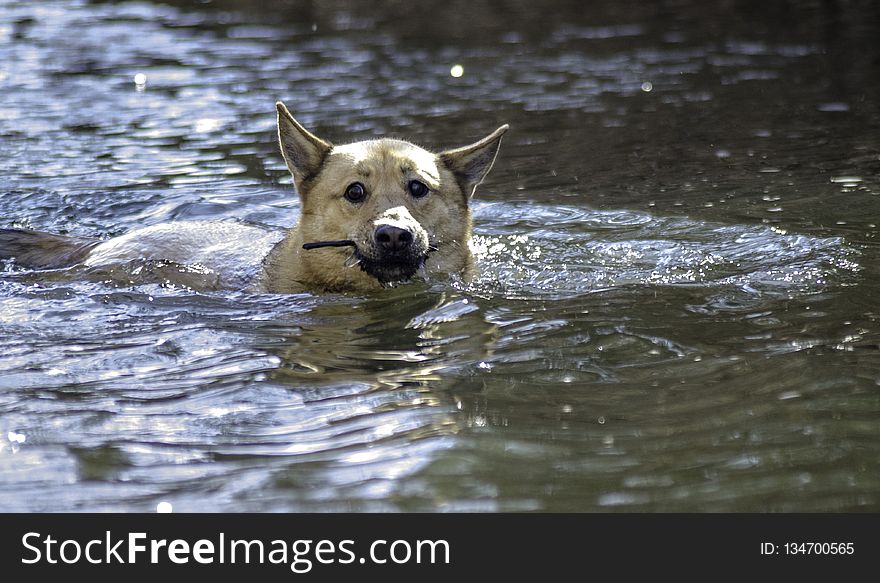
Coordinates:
396 247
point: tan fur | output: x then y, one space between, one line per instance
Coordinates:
322 174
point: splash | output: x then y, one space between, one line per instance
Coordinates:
535 250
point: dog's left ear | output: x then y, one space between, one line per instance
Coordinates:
470 164
303 151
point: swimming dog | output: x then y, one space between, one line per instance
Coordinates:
373 213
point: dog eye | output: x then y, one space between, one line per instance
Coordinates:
418 189
355 192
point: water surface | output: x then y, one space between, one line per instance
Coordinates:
677 306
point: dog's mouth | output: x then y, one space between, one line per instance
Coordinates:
387 268
391 268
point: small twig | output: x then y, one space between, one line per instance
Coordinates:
319 244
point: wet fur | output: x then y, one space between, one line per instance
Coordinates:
322 173
39 250
440 222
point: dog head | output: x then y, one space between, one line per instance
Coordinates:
398 206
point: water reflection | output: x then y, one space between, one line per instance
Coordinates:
676 308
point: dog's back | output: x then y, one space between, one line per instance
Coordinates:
36 250
232 252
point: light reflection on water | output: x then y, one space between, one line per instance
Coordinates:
675 311
556 251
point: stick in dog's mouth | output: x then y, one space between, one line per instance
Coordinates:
346 243
319 244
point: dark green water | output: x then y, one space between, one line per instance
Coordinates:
678 307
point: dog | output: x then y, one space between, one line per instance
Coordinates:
374 214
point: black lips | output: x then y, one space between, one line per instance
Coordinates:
391 268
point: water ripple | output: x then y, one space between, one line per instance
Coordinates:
565 251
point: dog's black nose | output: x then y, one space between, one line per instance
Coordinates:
392 239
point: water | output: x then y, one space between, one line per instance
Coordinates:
678 245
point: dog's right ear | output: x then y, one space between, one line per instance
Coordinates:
303 151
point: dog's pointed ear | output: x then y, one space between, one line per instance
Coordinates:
470 164
303 151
